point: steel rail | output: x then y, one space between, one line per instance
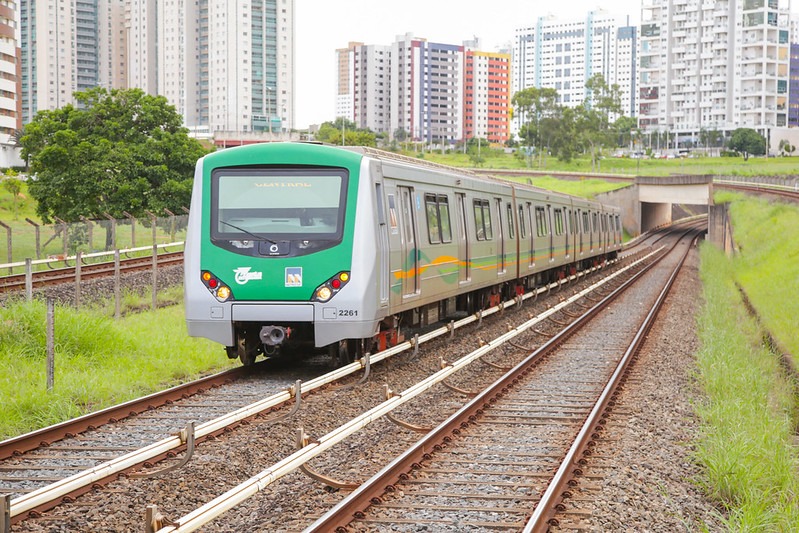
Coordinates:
341 515
546 509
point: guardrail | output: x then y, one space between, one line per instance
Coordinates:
92 255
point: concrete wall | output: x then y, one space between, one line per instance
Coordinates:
720 229
627 200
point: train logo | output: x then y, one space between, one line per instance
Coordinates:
293 276
243 275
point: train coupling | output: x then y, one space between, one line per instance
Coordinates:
273 335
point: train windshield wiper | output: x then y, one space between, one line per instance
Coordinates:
251 234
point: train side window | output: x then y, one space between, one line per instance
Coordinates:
511 234
558 221
541 225
482 220
439 229
522 223
594 225
392 214
586 229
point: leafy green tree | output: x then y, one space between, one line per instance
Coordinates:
747 141
536 107
115 151
332 133
593 118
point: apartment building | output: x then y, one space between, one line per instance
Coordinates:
487 96
436 93
225 66
713 66
10 110
564 54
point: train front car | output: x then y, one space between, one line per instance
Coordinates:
269 264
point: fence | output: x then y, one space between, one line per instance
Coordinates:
57 242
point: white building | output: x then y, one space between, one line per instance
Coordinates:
10 120
564 54
713 66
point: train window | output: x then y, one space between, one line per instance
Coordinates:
594 225
585 222
482 220
541 226
558 221
392 214
510 222
438 223
604 222
522 224
277 205
573 222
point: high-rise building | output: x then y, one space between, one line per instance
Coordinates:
10 119
225 66
564 54
487 96
713 66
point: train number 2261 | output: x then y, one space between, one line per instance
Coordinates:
347 312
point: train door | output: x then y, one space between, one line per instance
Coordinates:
410 252
551 234
501 235
383 243
464 265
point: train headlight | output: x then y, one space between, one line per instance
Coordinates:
223 293
324 294
328 289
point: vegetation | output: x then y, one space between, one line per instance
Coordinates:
98 361
115 151
585 188
747 141
345 132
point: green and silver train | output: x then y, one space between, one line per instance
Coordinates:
297 248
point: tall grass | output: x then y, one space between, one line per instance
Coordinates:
98 361
749 413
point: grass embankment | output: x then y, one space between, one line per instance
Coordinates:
98 361
732 166
749 415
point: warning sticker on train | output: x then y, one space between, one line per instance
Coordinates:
293 276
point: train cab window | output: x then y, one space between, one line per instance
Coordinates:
511 233
482 220
439 229
277 211
541 226
558 221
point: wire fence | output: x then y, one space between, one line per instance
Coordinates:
58 242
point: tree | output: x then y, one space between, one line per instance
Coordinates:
747 141
534 106
786 148
332 132
14 186
601 102
116 151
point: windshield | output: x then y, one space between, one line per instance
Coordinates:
278 205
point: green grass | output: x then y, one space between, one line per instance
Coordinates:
585 187
98 361
732 166
750 413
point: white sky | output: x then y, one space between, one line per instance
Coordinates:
323 26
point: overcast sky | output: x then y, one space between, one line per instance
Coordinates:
322 26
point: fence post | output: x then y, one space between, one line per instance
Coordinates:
66 238
78 264
50 344
38 237
155 276
8 233
28 279
5 513
132 228
154 222
117 294
113 230
172 224
89 231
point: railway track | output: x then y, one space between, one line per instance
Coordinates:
345 406
44 278
513 450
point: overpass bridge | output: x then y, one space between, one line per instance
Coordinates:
653 201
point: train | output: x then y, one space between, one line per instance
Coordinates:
295 248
